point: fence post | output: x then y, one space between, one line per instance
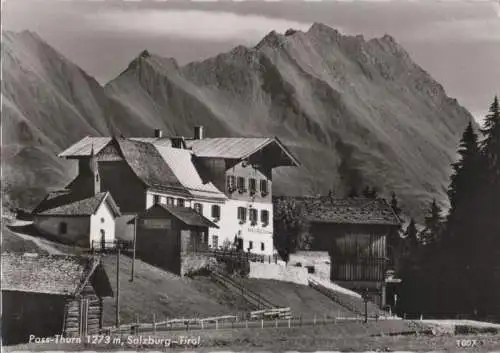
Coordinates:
246 323
154 323
216 324
289 322
276 323
314 319
201 324
262 323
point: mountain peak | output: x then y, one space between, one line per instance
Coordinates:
273 38
318 28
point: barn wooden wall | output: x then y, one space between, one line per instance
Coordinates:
83 314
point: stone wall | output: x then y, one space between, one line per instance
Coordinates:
192 263
279 272
319 259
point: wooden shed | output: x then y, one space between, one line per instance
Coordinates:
359 235
165 233
48 295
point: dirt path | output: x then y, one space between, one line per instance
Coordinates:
41 243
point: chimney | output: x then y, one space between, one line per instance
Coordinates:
158 133
198 132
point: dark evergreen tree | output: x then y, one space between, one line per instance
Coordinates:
488 249
433 224
395 205
411 233
458 248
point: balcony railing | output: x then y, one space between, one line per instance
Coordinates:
241 255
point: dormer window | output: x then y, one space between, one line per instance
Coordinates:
264 187
252 186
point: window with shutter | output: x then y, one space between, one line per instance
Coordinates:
264 217
242 214
252 186
180 202
156 199
250 245
198 207
264 190
215 241
253 216
231 183
241 184
262 246
170 201
216 212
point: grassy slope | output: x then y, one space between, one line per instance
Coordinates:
13 243
303 300
156 291
166 295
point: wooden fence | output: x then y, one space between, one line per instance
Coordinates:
228 322
238 255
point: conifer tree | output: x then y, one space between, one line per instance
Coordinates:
433 224
487 264
463 192
395 205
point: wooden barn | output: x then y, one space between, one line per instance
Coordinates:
358 234
77 219
165 233
48 295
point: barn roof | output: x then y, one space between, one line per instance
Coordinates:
186 215
348 210
84 147
50 274
66 203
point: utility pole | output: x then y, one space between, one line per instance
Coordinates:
133 254
365 299
118 284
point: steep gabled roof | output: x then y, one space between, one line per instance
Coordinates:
66 203
84 147
186 215
50 274
236 147
348 210
181 163
149 166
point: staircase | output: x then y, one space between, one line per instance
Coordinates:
258 301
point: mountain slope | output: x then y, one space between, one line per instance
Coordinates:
355 112
48 103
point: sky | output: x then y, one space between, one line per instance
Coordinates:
457 42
